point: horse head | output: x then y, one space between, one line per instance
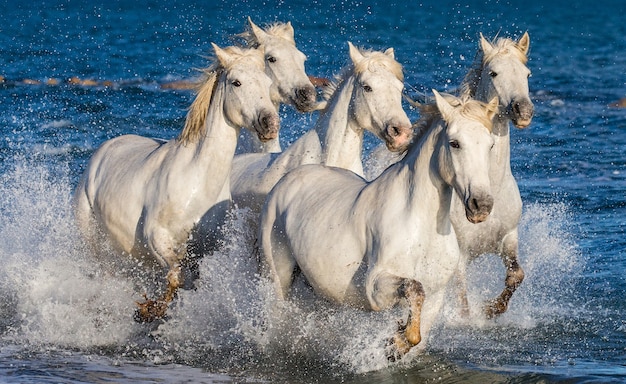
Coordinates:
247 101
504 73
284 64
464 152
377 97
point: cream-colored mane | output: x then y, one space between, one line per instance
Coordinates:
205 87
467 107
281 30
501 46
372 60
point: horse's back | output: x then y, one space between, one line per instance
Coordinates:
255 174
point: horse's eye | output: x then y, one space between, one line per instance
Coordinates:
367 88
455 144
237 83
493 74
271 59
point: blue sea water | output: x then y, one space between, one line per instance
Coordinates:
62 320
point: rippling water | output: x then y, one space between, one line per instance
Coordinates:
63 320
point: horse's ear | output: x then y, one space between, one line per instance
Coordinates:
259 33
484 44
524 43
446 110
355 54
222 56
492 108
290 30
390 52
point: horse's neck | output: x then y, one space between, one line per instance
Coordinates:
212 155
250 143
416 184
341 139
500 166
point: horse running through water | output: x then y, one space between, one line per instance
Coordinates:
372 244
284 64
366 96
149 197
499 70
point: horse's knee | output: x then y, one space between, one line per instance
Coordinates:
413 291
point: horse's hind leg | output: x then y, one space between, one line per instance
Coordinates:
277 261
514 277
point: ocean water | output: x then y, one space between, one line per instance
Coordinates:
64 320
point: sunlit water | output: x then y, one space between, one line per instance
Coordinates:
64 319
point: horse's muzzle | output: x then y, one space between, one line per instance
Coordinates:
398 136
305 99
521 112
478 208
268 125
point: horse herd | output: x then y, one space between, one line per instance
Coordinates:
447 196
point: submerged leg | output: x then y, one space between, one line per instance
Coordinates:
150 310
461 284
514 277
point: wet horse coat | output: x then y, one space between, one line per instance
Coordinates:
147 197
372 244
368 96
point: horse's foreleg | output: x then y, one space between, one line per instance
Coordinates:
514 276
409 334
150 310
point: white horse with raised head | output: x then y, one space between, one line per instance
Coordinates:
149 197
367 95
499 70
284 64
372 244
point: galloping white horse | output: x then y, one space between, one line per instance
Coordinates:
284 64
372 244
368 96
149 197
499 70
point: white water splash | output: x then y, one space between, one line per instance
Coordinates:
57 296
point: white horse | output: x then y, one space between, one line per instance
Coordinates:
284 64
149 197
499 70
372 244
367 96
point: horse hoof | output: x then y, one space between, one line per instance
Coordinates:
494 309
149 311
397 347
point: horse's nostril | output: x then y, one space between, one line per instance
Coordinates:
394 131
